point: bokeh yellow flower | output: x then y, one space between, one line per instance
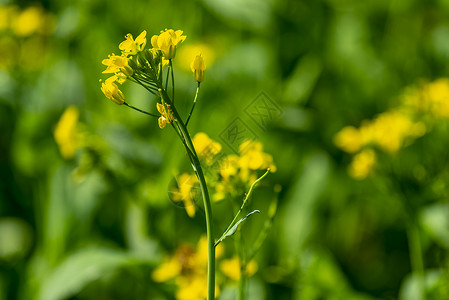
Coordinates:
167 42
186 192
236 173
252 157
232 268
392 128
66 134
362 164
198 67
130 46
348 139
188 267
29 21
111 90
206 147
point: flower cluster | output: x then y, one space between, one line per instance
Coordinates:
233 173
236 172
188 268
230 175
145 67
395 128
186 192
24 36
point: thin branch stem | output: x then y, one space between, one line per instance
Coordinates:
166 78
172 82
139 110
194 102
245 200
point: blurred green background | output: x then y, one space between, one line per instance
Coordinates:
96 225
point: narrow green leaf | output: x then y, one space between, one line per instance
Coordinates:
234 228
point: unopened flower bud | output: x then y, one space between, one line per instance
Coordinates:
198 67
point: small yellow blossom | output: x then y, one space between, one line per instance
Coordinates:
436 94
131 46
189 269
166 115
66 134
391 128
229 166
241 170
348 139
232 268
167 42
198 67
111 90
252 157
117 65
186 192
362 164
206 147
29 21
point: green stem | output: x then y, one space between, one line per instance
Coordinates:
139 110
172 81
187 141
194 102
245 200
241 255
208 213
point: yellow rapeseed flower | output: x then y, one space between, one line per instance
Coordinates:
66 134
130 46
189 269
236 171
117 65
229 166
166 115
362 164
198 67
252 157
391 128
167 42
111 90
29 21
185 192
348 139
206 147
232 268
437 97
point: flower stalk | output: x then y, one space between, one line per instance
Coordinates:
145 67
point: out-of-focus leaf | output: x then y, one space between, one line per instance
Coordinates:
301 83
136 228
79 269
15 238
434 282
298 212
253 13
435 219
